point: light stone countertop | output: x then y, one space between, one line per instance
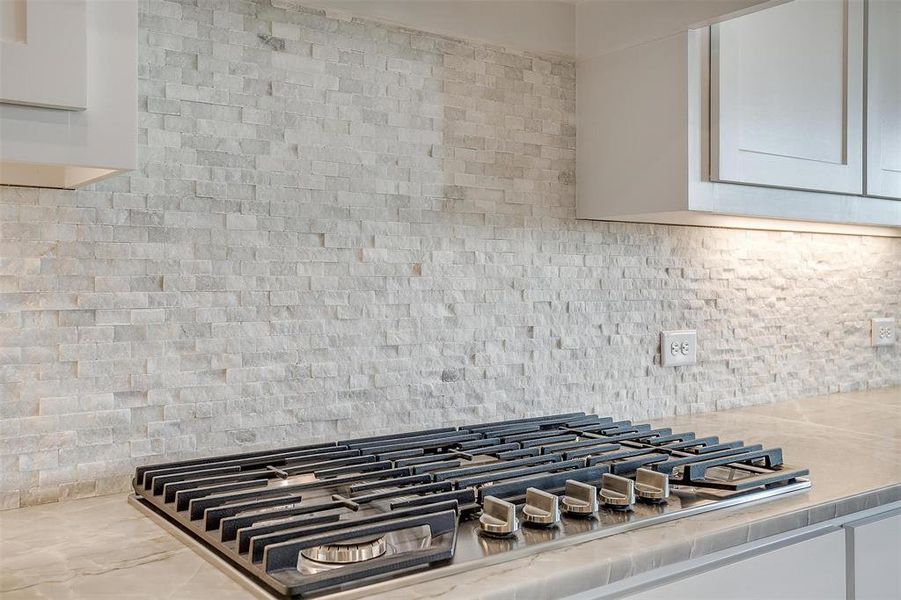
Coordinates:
104 548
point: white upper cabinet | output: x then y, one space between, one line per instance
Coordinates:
68 91
884 99
787 96
43 53
786 116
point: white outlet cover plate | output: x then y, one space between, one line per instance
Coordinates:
882 332
678 348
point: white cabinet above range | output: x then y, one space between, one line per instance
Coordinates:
68 91
767 120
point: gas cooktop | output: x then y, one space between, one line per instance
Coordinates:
360 515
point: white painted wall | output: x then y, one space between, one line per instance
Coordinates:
545 26
580 28
603 26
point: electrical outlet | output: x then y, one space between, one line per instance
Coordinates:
678 348
882 332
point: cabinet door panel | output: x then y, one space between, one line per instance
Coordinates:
875 545
787 97
813 569
884 98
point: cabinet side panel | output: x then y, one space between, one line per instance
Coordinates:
632 148
106 135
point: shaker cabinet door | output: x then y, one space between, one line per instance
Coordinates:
787 97
884 98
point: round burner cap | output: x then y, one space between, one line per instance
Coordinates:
347 551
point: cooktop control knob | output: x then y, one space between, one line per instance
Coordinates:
541 509
498 517
579 499
617 492
651 486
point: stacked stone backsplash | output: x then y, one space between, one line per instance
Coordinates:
341 228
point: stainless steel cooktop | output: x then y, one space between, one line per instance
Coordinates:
344 519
